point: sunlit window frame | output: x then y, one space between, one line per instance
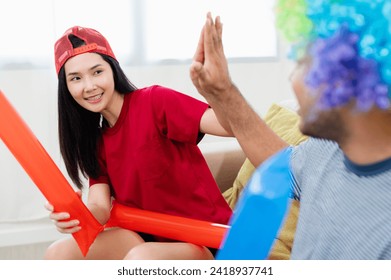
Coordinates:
135 58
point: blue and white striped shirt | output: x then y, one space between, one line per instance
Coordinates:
345 209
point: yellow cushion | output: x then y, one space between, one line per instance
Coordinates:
284 123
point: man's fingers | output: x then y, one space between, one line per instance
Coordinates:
209 35
219 28
195 73
195 68
199 54
204 72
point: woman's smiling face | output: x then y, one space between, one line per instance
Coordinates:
90 81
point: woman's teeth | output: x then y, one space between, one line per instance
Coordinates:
96 97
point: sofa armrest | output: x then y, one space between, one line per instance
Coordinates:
224 160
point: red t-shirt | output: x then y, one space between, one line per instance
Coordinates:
151 160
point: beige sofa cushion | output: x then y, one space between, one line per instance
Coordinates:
285 123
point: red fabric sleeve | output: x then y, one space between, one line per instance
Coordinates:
178 115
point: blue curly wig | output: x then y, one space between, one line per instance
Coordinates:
349 43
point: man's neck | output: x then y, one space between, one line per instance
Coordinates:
369 138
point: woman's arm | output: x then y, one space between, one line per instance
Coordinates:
210 125
99 202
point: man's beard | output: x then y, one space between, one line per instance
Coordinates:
326 125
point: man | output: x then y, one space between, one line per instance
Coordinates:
342 174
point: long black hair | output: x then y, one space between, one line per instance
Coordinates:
80 130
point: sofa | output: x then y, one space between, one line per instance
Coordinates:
232 170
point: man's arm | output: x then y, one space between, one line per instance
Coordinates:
210 75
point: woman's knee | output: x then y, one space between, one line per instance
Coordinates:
169 251
63 249
141 252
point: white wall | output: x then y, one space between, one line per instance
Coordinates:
33 94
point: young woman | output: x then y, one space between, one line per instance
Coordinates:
136 146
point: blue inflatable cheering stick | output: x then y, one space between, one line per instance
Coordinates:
260 211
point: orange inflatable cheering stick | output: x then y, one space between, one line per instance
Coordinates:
178 228
29 152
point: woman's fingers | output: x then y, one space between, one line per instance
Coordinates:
49 207
68 226
61 219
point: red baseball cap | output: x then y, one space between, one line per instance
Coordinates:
94 42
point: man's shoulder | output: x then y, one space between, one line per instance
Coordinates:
318 145
316 152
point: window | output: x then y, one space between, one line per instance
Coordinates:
25 35
111 18
172 27
139 31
